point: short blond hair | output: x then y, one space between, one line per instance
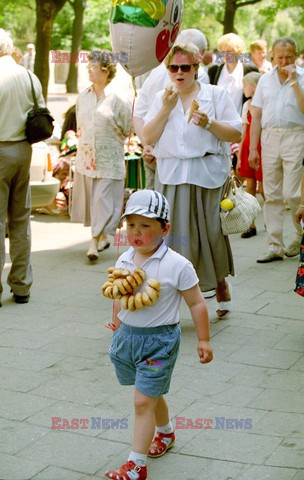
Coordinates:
190 51
258 45
232 42
104 57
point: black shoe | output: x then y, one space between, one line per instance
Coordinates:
251 232
21 298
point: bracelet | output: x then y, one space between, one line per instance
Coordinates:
293 83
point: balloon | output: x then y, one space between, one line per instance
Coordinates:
143 32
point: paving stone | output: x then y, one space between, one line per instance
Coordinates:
28 359
83 330
281 424
285 380
55 473
255 472
76 452
78 347
279 401
18 406
248 336
22 380
288 454
232 446
299 475
293 343
32 340
265 357
69 389
283 311
299 365
15 468
17 435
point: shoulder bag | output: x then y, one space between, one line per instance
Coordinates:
39 123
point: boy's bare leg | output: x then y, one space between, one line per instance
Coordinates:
144 426
161 412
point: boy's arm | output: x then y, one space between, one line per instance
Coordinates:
196 303
116 322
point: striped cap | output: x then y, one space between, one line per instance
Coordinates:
148 203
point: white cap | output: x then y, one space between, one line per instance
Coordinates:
148 203
30 45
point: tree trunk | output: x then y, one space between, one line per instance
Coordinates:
230 10
46 11
71 83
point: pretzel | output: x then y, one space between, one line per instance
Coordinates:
121 285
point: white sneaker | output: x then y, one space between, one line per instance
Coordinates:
293 249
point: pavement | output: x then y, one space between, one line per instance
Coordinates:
54 365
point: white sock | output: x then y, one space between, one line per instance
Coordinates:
166 428
138 458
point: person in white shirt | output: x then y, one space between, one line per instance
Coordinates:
156 81
28 60
193 165
103 123
278 112
15 156
258 51
146 339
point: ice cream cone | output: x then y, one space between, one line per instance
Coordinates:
194 106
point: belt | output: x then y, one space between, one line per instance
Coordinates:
279 129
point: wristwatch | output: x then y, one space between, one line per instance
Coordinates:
208 124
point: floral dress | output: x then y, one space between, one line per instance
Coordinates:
300 273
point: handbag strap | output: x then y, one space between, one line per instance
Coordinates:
33 91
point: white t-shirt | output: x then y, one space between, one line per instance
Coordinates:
181 148
175 274
278 101
156 81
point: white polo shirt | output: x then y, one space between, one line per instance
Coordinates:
181 148
278 101
156 81
175 274
16 99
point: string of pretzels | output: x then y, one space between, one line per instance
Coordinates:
121 285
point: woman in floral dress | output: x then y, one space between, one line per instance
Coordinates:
103 122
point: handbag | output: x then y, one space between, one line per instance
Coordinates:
39 122
244 210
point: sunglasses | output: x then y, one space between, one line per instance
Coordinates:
175 68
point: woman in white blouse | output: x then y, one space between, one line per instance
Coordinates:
193 166
103 122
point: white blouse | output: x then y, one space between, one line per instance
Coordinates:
102 126
181 149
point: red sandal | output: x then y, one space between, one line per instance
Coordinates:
161 443
128 470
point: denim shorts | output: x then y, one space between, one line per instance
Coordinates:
145 357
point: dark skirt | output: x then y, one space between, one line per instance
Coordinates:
196 231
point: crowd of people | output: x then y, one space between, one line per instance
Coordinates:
243 113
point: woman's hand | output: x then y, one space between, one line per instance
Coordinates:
300 214
199 118
170 98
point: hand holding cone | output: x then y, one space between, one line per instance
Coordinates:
194 106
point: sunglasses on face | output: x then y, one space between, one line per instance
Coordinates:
175 68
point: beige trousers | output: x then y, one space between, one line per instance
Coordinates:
15 207
282 156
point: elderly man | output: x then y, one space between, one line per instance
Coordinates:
157 80
15 157
28 60
278 111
